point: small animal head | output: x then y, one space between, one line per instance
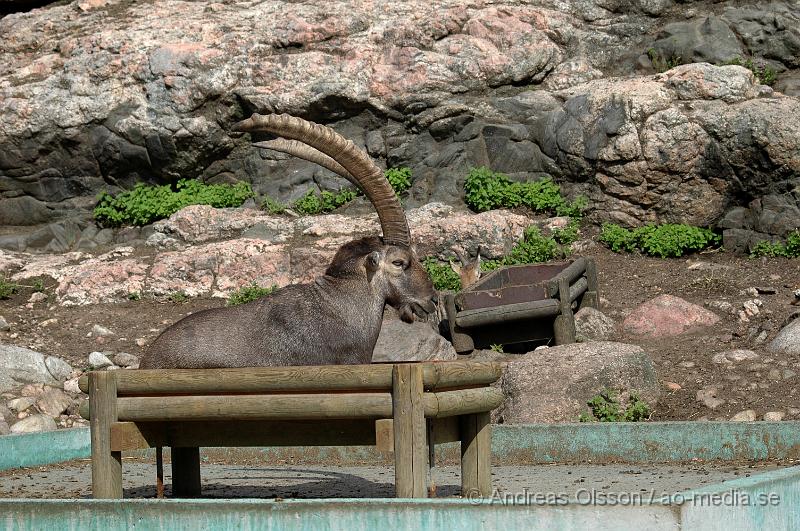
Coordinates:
468 270
393 269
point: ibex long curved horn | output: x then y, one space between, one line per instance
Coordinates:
368 177
306 152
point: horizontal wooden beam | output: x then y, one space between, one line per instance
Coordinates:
578 289
301 379
509 312
462 402
255 407
127 436
571 273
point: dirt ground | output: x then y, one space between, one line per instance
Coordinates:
765 384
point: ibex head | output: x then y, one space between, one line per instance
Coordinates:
469 270
390 264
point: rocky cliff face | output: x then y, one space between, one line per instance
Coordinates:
98 95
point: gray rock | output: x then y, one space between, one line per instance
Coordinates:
20 365
53 402
709 397
123 359
748 415
788 339
101 331
417 341
734 356
20 404
98 360
554 384
707 39
5 429
33 424
593 325
4 326
59 369
774 416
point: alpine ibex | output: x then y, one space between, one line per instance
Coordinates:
469 271
333 320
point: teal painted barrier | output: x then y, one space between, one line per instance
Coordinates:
331 515
620 442
35 449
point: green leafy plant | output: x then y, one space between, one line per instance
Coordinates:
606 407
764 74
790 249
146 204
312 203
399 178
533 248
38 285
441 274
178 297
273 206
663 63
566 235
7 289
663 241
497 347
134 296
486 190
249 293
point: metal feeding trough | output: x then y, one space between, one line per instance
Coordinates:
518 304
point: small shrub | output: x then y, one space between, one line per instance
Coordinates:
7 289
38 285
146 204
566 235
442 275
178 297
497 347
249 293
311 203
486 190
764 74
666 240
532 249
661 63
134 296
273 206
617 238
606 407
399 178
790 249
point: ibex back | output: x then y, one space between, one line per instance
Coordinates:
333 320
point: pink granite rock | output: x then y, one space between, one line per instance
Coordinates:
666 316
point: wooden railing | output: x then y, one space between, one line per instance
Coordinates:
406 407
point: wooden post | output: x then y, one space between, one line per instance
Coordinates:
410 452
106 465
476 456
462 342
186 472
159 472
592 296
564 325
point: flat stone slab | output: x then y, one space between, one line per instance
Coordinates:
554 483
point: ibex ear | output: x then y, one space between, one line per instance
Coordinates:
372 262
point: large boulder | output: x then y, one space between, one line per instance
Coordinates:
101 95
19 366
554 384
417 341
788 339
666 316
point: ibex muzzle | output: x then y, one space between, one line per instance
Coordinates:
333 320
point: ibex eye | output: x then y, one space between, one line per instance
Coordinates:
398 263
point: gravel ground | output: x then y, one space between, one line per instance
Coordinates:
551 483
